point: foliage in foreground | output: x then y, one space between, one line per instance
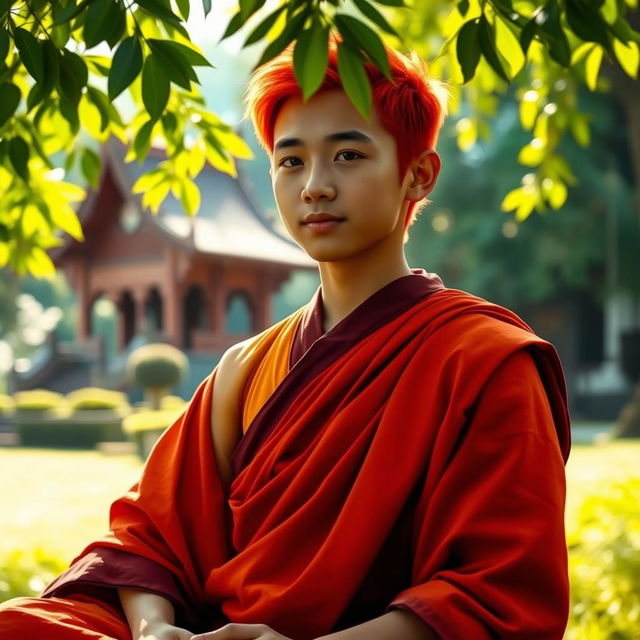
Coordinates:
604 564
27 572
58 90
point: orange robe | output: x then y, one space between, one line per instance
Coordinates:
412 457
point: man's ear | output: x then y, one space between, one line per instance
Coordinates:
424 172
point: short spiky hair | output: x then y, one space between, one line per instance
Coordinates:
412 107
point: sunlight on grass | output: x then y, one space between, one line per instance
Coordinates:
59 500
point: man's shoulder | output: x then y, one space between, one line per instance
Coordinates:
474 324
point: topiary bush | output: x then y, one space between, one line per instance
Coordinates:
172 402
604 564
38 400
157 368
26 573
94 398
7 405
145 427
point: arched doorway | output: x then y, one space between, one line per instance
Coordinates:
127 309
239 315
193 314
153 311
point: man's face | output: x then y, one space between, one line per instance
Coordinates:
328 159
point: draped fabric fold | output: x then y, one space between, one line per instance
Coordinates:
434 442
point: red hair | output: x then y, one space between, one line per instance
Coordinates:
412 108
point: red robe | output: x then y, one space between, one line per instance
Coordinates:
412 457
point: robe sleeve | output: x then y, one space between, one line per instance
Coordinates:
488 544
169 530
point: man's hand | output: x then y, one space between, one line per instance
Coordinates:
242 632
164 631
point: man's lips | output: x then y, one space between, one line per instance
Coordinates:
321 217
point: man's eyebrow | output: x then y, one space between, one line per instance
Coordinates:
340 136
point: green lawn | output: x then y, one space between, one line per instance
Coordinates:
59 500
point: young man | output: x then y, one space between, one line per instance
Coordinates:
386 463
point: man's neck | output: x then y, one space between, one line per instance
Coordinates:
347 284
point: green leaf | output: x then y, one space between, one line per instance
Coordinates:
175 65
363 37
100 21
98 64
10 101
30 53
126 65
184 7
189 196
234 25
90 164
354 78
391 3
155 87
19 156
51 60
263 28
4 44
375 16
193 57
310 58
107 111
206 6
288 34
586 22
119 27
142 140
249 7
468 48
527 35
70 11
69 111
628 56
463 7
555 36
592 67
73 75
159 10
488 47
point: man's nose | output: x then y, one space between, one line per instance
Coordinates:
318 186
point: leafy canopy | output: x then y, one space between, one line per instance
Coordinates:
58 89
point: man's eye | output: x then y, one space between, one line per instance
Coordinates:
290 161
349 155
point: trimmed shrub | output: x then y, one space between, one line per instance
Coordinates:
157 368
7 405
94 398
25 573
172 402
145 427
38 400
604 565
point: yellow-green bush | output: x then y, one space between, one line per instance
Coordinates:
6 405
89 398
604 565
145 427
172 402
26 573
38 400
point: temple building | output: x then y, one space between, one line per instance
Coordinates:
201 283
